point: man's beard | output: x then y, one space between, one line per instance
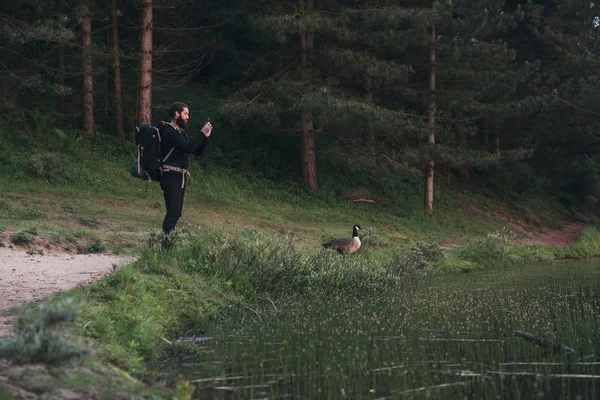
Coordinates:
181 122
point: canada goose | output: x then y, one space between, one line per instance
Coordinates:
345 245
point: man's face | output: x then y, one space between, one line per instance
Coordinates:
183 118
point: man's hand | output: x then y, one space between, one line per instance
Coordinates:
207 129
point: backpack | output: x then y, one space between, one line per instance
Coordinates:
149 160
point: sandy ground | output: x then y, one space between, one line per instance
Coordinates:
561 237
25 277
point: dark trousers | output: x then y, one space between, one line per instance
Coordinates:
174 194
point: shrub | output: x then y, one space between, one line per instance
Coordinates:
46 166
492 248
20 239
37 337
430 252
95 247
369 238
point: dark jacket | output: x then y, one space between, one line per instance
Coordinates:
173 137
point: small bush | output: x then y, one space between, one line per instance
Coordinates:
535 253
369 238
587 245
407 265
95 247
38 338
430 252
20 239
46 166
494 247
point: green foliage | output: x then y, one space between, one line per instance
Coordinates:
39 338
251 264
45 166
368 238
89 221
131 311
587 245
95 247
20 239
32 231
185 391
416 260
492 248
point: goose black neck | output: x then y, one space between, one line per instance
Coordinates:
354 232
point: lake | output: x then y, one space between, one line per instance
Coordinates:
451 337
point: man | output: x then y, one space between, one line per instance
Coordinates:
176 147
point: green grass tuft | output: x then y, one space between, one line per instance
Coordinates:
39 337
20 239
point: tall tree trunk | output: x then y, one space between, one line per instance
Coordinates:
108 71
432 108
145 73
117 71
309 164
88 81
60 104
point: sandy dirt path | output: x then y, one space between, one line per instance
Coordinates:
560 237
25 277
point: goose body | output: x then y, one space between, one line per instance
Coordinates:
345 245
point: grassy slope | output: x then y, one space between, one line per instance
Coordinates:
222 199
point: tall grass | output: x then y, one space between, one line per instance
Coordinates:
452 338
40 336
587 245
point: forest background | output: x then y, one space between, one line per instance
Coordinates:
492 95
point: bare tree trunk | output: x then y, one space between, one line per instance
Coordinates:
309 164
117 71
88 81
108 70
60 105
432 108
145 73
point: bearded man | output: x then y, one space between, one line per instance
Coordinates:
177 147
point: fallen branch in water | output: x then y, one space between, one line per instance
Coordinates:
544 342
364 201
535 374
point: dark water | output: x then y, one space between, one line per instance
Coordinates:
452 338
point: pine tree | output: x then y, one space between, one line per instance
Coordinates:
32 37
116 65
88 71
145 64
